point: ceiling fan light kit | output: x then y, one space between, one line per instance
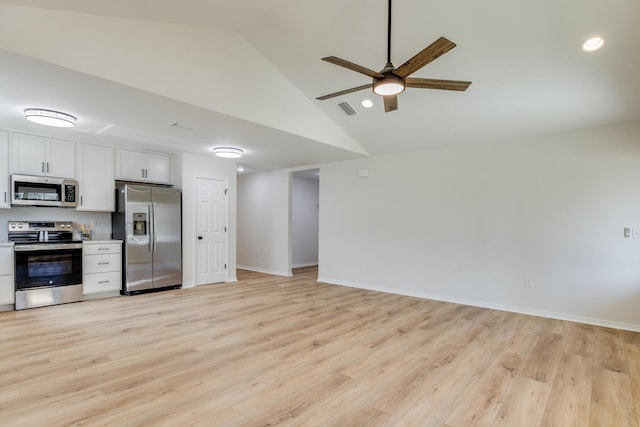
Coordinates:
391 81
49 118
390 84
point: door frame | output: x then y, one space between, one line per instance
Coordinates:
225 215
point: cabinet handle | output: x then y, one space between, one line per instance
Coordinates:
142 173
42 167
104 263
47 167
5 197
103 282
103 249
81 201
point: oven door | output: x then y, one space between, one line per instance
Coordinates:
47 266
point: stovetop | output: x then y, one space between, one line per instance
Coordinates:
35 232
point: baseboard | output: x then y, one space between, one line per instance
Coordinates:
100 295
265 271
484 304
7 307
187 285
305 264
232 279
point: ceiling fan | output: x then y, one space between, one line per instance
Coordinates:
391 81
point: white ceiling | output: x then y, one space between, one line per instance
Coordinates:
529 75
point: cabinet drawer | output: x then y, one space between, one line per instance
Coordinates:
102 263
102 282
6 289
106 248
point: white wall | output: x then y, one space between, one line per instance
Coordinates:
305 193
263 222
470 224
188 168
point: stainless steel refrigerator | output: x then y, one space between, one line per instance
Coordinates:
148 221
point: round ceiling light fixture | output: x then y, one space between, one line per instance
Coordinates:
367 103
49 118
390 84
228 152
593 44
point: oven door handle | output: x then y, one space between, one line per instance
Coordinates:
53 247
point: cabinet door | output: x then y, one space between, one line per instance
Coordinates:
6 276
28 154
6 290
96 178
157 168
5 195
6 260
130 165
60 160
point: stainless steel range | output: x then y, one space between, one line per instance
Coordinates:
48 263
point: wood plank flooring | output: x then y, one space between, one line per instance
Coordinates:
289 351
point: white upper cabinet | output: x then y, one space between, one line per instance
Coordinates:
5 195
96 179
143 167
36 155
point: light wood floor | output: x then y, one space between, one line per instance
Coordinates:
288 351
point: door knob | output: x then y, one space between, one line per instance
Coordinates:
199 237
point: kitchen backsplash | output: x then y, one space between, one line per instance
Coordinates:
100 221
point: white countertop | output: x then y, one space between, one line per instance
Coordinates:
99 242
6 244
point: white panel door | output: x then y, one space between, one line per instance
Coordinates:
211 231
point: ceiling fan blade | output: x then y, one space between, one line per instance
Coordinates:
344 92
426 55
437 84
390 103
353 67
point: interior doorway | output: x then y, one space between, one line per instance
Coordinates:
305 216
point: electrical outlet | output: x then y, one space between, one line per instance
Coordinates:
528 282
628 232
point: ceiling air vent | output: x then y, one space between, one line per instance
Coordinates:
348 109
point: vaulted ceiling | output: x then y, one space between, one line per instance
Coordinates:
247 72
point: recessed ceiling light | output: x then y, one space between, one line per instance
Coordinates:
367 103
49 118
228 152
592 44
240 169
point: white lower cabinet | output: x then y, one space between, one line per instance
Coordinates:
102 267
7 292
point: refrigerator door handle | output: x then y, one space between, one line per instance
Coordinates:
152 234
153 215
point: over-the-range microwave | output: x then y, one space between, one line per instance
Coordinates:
28 190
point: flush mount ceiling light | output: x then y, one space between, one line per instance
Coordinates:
228 152
592 44
49 118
